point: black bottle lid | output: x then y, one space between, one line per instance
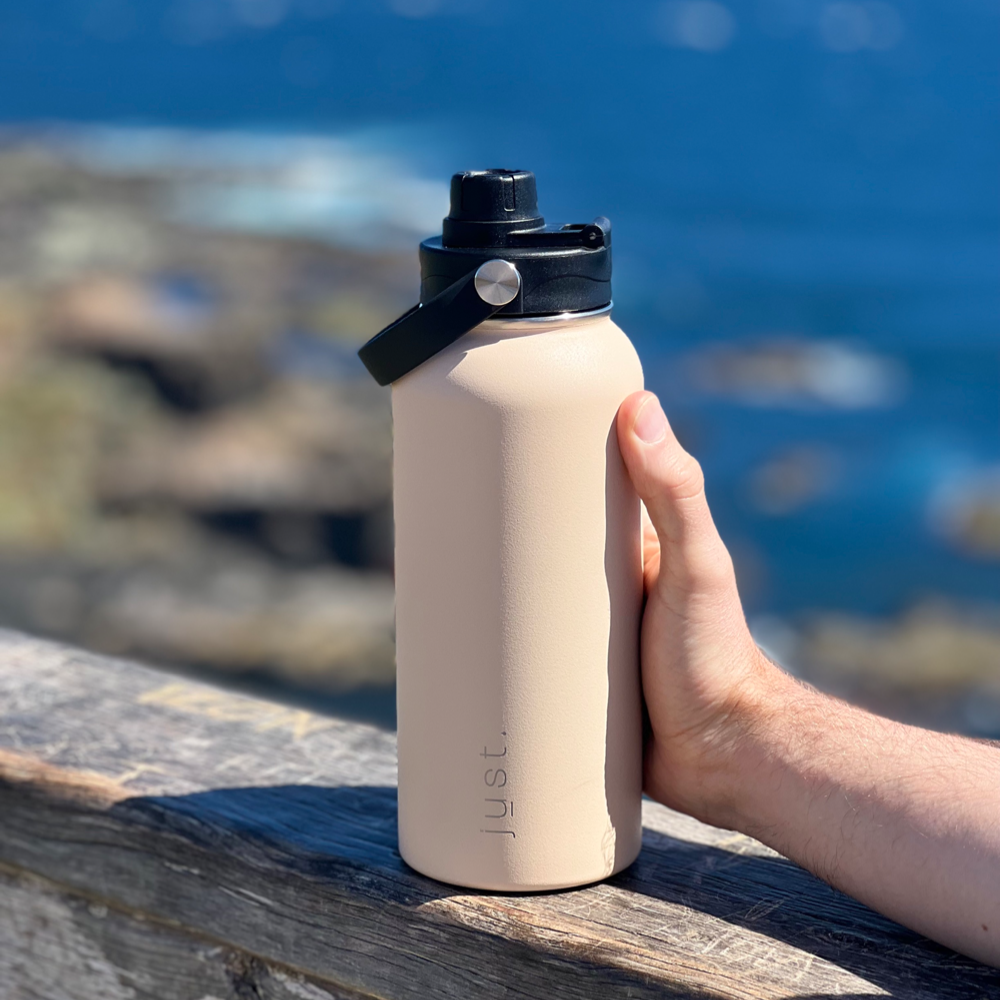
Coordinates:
497 256
488 205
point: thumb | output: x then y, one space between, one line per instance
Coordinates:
671 484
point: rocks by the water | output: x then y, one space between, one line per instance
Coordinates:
219 607
300 445
194 468
799 372
793 479
934 645
325 629
58 421
966 511
937 664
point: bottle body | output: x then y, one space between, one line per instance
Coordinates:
518 595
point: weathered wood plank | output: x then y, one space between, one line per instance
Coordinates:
271 832
57 946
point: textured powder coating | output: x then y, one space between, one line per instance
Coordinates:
518 594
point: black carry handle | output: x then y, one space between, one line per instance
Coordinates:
427 328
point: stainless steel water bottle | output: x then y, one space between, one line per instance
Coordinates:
518 556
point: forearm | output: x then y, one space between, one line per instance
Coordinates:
906 820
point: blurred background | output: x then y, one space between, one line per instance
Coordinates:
206 206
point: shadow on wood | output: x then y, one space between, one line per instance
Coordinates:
319 829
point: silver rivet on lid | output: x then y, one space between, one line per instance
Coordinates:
497 282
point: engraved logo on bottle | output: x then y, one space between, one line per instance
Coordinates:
498 806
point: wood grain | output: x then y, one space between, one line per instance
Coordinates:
212 820
57 946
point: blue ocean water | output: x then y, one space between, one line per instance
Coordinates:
806 201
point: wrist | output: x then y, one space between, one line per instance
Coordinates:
753 743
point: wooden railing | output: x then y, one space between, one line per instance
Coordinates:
163 839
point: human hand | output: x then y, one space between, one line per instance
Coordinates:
705 682
859 800
703 676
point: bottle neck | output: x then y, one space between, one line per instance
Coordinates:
547 319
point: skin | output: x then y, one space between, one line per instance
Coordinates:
904 819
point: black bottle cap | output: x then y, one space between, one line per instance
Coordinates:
493 217
486 205
494 213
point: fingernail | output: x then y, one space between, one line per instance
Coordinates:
651 423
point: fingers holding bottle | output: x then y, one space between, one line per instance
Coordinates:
670 482
702 673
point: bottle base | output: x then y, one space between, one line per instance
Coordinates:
522 888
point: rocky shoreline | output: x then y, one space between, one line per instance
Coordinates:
196 471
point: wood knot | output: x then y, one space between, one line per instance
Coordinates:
245 973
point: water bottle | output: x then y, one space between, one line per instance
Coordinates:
517 551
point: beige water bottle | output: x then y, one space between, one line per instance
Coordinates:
518 559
